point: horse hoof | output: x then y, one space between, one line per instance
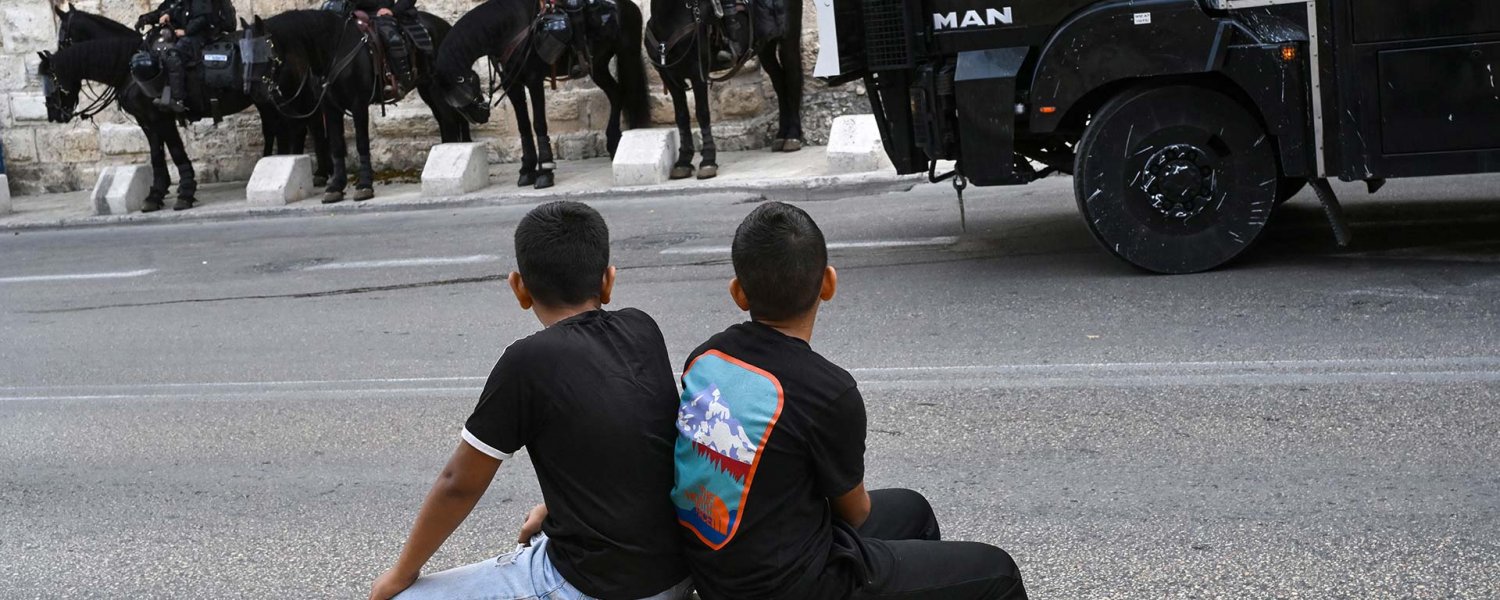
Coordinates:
333 197
708 171
792 145
185 203
778 145
151 205
545 180
682 172
320 181
362 194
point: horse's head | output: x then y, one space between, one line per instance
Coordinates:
463 92
61 99
64 27
258 55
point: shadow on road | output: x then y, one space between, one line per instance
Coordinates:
1450 230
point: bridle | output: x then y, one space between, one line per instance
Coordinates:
97 101
53 92
65 31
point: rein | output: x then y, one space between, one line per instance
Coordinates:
336 68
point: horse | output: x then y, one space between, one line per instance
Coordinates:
506 32
684 39
322 57
281 135
107 61
74 25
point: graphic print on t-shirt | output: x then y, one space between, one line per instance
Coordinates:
726 416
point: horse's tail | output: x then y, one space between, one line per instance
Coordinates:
632 67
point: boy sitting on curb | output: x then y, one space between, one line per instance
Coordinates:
591 396
770 453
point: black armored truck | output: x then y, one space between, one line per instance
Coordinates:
1184 122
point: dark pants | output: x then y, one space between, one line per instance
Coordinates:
906 561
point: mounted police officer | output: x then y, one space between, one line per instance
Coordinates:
193 23
385 14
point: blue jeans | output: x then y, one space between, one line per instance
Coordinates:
525 574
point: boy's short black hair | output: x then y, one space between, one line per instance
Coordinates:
779 257
562 251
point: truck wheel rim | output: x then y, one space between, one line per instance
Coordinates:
1180 181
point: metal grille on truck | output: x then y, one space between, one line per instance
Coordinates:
887 41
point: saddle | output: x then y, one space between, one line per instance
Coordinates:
391 90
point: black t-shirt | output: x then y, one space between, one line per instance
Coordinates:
768 431
592 399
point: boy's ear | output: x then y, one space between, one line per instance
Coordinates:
830 284
519 288
607 287
737 292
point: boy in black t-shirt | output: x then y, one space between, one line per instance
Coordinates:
770 454
591 397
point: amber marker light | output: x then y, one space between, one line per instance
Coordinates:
1288 53
1047 110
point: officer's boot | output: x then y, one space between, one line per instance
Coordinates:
396 53
736 19
175 97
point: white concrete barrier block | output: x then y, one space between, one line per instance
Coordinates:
455 169
97 198
280 180
645 157
128 189
854 146
5 205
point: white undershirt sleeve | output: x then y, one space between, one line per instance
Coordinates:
483 447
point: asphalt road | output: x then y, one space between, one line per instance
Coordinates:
255 409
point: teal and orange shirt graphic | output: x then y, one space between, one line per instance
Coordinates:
728 411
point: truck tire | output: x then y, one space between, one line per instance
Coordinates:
1175 179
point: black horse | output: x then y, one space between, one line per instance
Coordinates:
506 32
107 61
686 41
282 135
75 25
321 59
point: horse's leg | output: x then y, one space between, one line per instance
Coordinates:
611 89
161 177
709 167
317 125
789 98
683 168
296 137
272 133
517 95
545 163
364 183
770 61
187 180
445 117
338 149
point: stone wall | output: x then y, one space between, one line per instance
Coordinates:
48 157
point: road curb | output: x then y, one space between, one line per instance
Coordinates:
794 190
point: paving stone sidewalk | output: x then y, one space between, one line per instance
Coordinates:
781 176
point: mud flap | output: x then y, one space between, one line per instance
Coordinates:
985 90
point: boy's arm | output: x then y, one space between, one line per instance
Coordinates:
854 507
461 485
